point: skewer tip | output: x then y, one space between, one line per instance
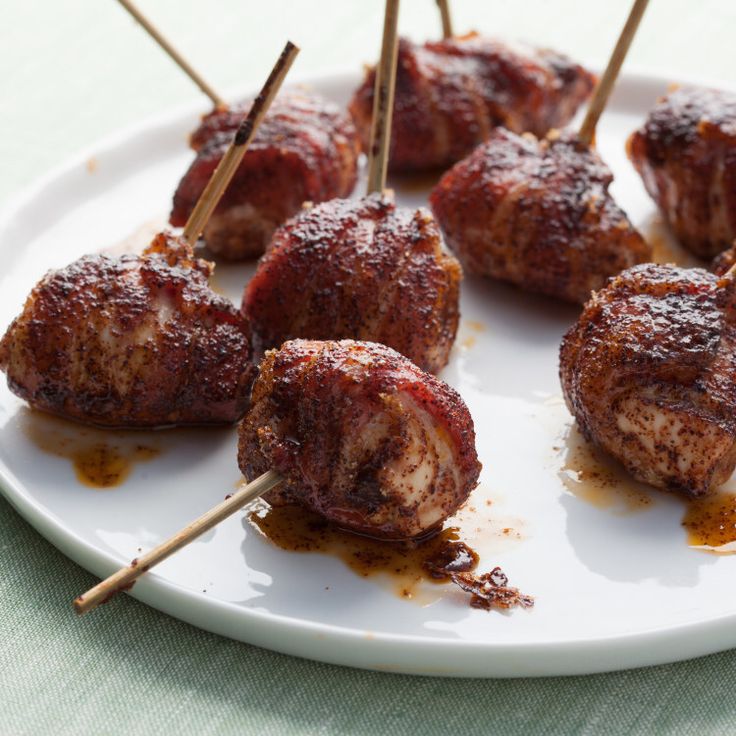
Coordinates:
383 100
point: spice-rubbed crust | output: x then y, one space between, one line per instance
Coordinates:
361 435
649 373
537 214
361 269
132 341
451 94
686 156
306 149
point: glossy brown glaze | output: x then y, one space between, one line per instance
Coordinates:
408 563
451 94
711 523
686 156
537 214
134 341
100 458
649 373
361 269
361 436
440 557
306 149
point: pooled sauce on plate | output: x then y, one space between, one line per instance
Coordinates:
433 558
587 472
711 523
100 458
590 474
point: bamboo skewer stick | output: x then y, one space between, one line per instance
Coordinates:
608 80
178 59
730 275
383 100
234 154
444 6
124 578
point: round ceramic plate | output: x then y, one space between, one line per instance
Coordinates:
616 582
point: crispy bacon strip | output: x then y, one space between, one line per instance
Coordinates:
361 436
451 94
306 149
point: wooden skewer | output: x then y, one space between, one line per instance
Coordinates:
234 154
730 275
173 53
383 100
446 18
124 578
608 80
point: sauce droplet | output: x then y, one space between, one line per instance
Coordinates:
100 458
102 465
711 523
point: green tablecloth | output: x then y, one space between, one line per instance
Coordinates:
75 70
129 669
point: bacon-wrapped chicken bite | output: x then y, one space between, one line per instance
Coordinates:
686 155
537 213
133 341
451 94
360 435
361 269
306 149
649 373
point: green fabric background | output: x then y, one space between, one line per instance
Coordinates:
127 669
73 71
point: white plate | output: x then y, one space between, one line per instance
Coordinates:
615 587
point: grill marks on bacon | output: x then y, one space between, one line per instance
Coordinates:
361 435
361 269
451 94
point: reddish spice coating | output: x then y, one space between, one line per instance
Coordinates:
361 435
359 269
134 341
537 214
649 373
450 94
306 149
686 156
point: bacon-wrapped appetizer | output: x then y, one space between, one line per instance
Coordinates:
360 435
306 149
133 341
649 373
537 213
359 269
686 156
451 94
